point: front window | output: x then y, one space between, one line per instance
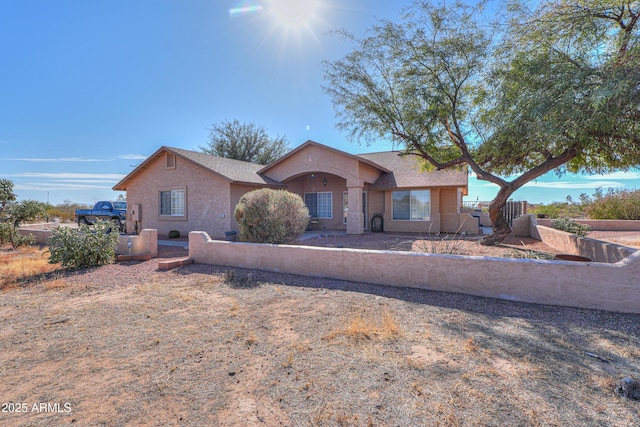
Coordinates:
412 205
319 204
172 203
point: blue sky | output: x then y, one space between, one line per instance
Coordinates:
89 89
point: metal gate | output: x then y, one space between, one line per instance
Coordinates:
511 210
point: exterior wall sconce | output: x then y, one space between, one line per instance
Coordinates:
324 181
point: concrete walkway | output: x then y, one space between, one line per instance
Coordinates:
177 243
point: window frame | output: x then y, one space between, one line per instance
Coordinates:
177 199
414 213
317 204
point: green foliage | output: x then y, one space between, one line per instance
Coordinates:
570 226
559 209
271 216
528 254
84 246
65 210
624 205
6 193
553 88
10 234
24 210
173 234
246 142
12 213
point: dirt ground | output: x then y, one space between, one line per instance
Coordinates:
127 344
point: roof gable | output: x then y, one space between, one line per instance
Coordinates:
234 171
309 143
407 172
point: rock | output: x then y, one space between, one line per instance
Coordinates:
628 388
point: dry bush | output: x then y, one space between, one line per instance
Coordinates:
240 279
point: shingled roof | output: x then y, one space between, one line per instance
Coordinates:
407 172
397 171
234 171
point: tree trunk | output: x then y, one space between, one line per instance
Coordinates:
501 228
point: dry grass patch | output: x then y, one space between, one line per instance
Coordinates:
360 326
24 264
182 347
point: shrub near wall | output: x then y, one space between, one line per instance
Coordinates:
83 247
622 204
271 216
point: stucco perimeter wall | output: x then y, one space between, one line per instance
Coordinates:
612 287
41 235
601 224
144 243
596 250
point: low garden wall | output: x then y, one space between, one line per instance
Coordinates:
144 243
600 224
612 287
595 250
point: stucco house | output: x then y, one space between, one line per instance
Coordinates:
176 189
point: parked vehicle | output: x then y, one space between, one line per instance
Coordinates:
112 211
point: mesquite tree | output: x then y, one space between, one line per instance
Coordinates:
245 141
514 94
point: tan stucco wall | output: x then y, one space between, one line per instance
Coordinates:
601 224
144 243
613 287
319 160
207 198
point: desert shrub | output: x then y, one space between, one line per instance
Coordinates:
557 210
10 234
271 216
57 213
84 246
174 234
570 226
240 279
624 204
442 246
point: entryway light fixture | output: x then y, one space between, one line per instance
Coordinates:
324 181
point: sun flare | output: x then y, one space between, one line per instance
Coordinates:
294 14
295 18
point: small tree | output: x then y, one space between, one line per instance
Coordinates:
6 193
83 247
271 216
246 142
25 210
12 213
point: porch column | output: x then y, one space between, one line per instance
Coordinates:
355 217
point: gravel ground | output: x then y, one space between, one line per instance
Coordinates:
127 344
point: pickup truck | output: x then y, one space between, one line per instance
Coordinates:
113 211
